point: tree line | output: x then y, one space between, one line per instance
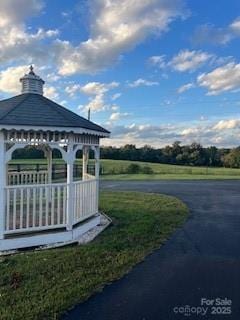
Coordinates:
193 155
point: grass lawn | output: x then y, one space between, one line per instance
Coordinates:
41 285
114 170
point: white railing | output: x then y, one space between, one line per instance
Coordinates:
41 207
35 207
85 199
27 177
88 176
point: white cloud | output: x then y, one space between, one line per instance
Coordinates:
16 42
185 87
222 133
227 124
9 82
118 115
96 91
235 26
221 79
72 89
15 11
208 33
116 96
142 82
158 61
114 107
96 104
95 88
116 27
190 131
9 79
187 60
91 88
51 92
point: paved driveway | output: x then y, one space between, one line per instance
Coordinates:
202 260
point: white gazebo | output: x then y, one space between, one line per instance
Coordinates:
34 210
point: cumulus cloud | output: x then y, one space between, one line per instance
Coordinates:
95 88
51 92
235 26
16 42
227 124
158 61
91 88
9 82
187 60
185 87
96 104
96 92
118 115
116 96
221 79
116 27
22 9
142 82
222 133
9 79
208 33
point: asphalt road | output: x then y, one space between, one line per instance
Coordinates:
201 260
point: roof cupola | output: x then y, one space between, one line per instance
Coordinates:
31 83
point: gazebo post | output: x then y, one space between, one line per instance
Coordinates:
2 184
70 199
97 162
97 169
49 160
85 156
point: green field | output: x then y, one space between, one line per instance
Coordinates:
43 284
116 170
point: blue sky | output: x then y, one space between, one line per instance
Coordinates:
151 71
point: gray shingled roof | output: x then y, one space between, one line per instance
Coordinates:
36 110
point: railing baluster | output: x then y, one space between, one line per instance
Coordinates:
21 208
40 206
34 208
58 204
8 210
28 208
64 204
14 208
46 205
52 204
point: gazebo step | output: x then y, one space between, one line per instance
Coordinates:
50 238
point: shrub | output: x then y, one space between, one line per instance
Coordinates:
133 168
147 170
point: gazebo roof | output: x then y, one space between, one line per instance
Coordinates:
32 109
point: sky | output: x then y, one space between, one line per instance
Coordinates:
151 71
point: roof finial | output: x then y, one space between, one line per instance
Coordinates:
31 70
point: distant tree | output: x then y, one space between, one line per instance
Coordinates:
194 154
232 159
